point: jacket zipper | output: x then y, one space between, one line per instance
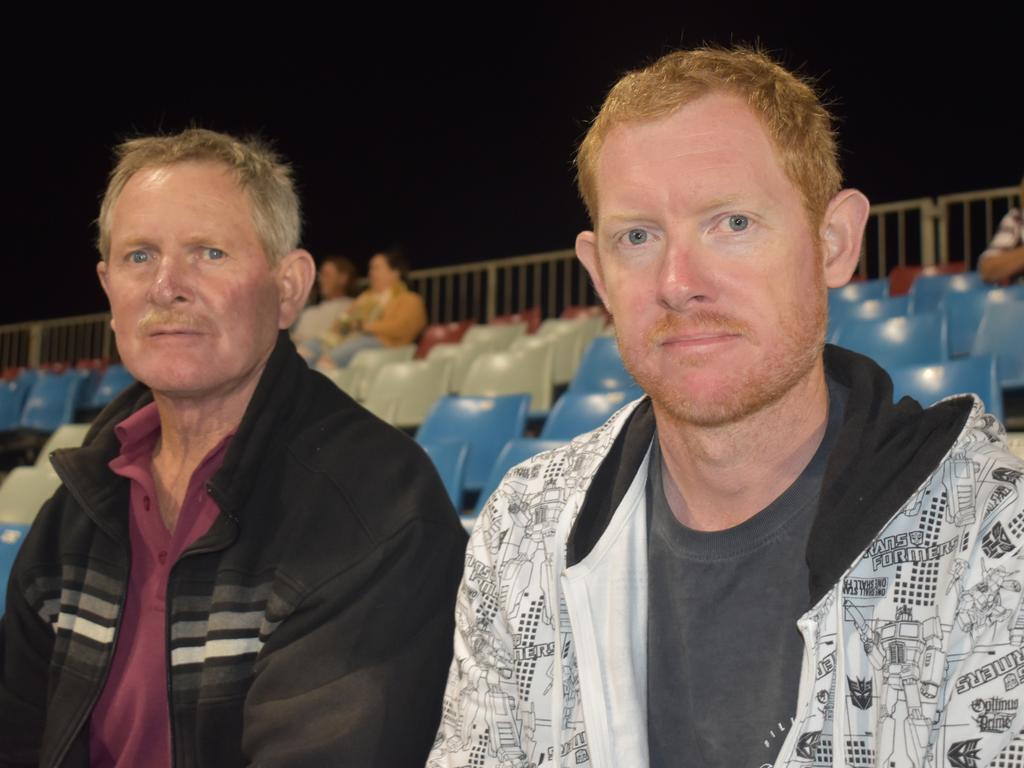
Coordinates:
76 726
167 613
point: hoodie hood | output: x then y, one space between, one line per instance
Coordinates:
883 453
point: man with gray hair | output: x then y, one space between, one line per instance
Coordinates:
228 573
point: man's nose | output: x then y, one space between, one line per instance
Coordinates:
686 275
173 281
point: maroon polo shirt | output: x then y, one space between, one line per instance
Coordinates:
130 723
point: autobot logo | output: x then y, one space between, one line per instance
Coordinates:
860 692
964 754
997 542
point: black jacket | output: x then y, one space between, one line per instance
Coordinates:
311 625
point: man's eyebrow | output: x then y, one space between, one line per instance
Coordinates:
132 241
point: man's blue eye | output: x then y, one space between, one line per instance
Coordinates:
138 257
637 236
214 253
738 223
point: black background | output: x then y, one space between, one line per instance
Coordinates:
450 130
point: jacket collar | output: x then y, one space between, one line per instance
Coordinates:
282 398
883 453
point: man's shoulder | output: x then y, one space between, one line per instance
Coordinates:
377 472
548 483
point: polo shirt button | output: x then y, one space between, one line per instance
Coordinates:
162 557
145 503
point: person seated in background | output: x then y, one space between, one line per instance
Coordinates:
1004 257
336 281
387 314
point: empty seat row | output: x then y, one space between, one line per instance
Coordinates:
490 361
42 400
923 339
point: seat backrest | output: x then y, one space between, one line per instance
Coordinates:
51 401
569 337
65 436
12 401
930 383
462 356
999 333
1000 329
514 452
23 492
11 536
526 368
579 412
869 309
601 368
901 278
438 333
580 310
406 391
115 380
898 341
927 291
449 458
366 362
486 423
494 337
859 291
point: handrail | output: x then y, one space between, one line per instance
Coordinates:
916 231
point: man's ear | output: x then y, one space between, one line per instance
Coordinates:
841 234
101 272
295 274
586 252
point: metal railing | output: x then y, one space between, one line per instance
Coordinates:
969 221
922 231
64 339
899 234
484 290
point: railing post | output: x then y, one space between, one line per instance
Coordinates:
492 292
35 344
930 220
943 223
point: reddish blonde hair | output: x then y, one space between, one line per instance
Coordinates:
797 123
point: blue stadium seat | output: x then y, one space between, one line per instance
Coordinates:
930 383
449 458
51 401
515 452
11 536
579 412
601 369
486 423
898 341
12 400
115 380
927 291
859 291
965 310
1000 334
871 309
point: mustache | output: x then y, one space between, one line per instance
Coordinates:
157 319
695 322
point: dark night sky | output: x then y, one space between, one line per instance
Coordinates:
453 133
